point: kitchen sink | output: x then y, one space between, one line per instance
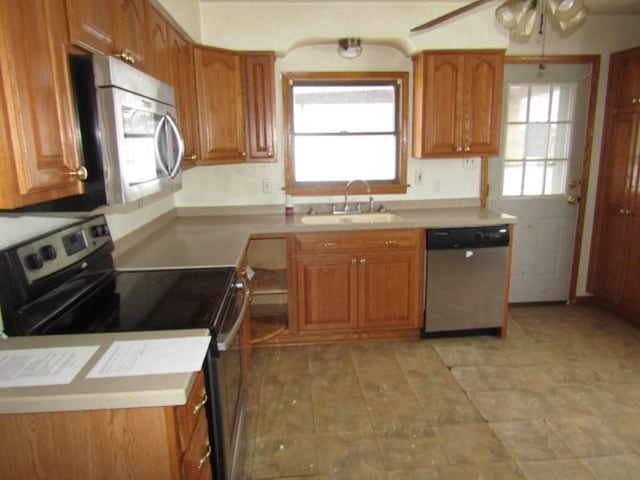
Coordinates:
356 218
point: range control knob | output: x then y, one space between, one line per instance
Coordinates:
34 261
100 230
49 252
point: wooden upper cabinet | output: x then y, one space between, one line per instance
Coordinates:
109 27
38 146
457 103
260 106
220 105
625 79
158 46
184 81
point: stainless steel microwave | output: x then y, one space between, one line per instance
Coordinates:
129 138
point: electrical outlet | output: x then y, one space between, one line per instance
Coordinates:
267 185
469 162
419 179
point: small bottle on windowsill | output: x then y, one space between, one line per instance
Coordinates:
288 205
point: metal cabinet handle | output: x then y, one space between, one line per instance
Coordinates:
458 149
269 154
191 158
363 261
467 149
207 454
390 242
354 261
79 173
329 244
126 56
201 403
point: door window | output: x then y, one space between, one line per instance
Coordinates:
540 118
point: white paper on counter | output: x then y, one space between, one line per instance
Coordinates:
150 357
32 367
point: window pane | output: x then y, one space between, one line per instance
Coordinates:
559 140
344 157
518 99
555 180
335 109
514 148
537 140
512 181
533 178
562 103
540 100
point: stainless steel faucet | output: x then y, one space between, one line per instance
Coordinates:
346 195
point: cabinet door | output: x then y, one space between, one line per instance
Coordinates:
388 286
158 43
183 80
130 27
91 25
259 88
626 65
40 146
482 103
437 121
220 106
326 292
621 183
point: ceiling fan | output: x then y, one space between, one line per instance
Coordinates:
519 16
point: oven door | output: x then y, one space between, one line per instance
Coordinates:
231 388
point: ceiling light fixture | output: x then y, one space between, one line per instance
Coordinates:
519 15
349 47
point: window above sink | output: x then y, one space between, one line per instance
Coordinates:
346 125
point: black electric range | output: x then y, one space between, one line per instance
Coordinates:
64 282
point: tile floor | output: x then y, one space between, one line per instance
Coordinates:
558 399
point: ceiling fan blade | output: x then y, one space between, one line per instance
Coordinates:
447 16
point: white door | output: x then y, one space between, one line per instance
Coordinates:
537 176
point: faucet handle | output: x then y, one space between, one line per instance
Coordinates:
381 208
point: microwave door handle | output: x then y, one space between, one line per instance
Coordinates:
224 340
176 131
156 143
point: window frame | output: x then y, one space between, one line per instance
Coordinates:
397 185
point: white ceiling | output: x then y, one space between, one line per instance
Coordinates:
597 7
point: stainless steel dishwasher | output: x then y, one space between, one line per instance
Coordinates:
466 280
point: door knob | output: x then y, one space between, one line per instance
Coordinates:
80 173
573 200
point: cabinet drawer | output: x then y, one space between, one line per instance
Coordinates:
196 458
190 413
359 240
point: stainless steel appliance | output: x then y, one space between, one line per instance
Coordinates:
65 282
466 275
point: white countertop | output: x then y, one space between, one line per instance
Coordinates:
97 393
202 237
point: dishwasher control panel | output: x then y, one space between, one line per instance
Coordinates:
467 237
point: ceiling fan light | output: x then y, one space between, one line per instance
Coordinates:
511 13
525 27
566 10
573 22
349 47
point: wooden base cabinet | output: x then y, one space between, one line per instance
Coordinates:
364 280
159 443
614 270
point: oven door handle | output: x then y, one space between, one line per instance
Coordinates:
223 340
